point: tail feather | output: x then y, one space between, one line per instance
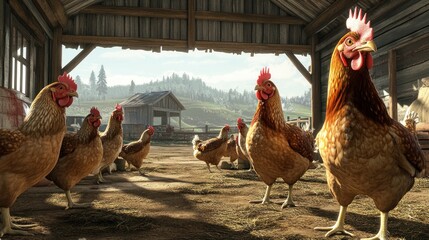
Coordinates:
196 140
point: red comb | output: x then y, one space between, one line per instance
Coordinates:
118 107
356 23
264 75
68 80
94 111
151 128
239 120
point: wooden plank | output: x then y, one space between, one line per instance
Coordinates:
191 24
59 12
44 7
229 47
319 22
29 20
56 54
79 57
5 45
316 97
30 5
299 66
200 15
393 100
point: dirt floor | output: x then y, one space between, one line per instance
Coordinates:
179 199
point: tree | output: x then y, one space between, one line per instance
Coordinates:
132 87
92 84
102 84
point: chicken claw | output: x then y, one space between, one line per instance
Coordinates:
382 233
71 204
266 198
289 202
339 225
6 228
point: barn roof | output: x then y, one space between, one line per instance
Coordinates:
149 98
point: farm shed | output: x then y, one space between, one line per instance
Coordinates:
152 108
33 32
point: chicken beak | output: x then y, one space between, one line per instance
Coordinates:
73 94
257 88
367 47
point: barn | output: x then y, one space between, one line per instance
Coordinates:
151 108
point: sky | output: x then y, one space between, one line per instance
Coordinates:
219 70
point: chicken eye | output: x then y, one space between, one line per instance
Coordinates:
349 41
268 84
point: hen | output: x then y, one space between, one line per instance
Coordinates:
212 150
135 152
112 141
80 154
241 141
231 150
365 151
277 149
29 153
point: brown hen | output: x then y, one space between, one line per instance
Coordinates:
212 150
29 153
277 149
135 152
80 154
231 150
365 151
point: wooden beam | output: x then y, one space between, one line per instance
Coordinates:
299 66
191 24
44 7
59 12
332 12
144 43
76 60
316 96
183 14
38 17
56 54
19 10
393 99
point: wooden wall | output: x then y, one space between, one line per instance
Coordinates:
404 29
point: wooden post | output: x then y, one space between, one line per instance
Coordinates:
191 24
56 54
316 97
393 98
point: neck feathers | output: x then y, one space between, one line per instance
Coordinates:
270 112
87 133
45 116
348 86
114 127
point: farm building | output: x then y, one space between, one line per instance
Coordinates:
152 108
33 33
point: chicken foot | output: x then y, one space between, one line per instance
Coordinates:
266 198
100 178
7 225
382 233
289 202
71 204
338 226
208 167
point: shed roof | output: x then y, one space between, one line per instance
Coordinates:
150 98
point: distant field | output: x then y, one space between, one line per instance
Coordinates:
197 113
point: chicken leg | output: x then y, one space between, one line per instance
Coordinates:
7 225
71 204
266 198
338 226
208 167
382 233
289 202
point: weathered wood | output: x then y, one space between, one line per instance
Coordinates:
393 100
28 19
56 54
38 17
3 82
79 57
229 47
45 8
333 11
316 101
59 12
299 66
191 24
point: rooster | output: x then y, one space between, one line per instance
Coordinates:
241 141
135 152
112 141
29 153
277 149
364 150
80 153
231 150
212 150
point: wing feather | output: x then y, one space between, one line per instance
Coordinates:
69 144
300 141
210 144
10 141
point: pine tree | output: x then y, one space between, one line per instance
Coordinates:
92 84
102 84
132 87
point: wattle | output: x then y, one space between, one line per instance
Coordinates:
357 61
